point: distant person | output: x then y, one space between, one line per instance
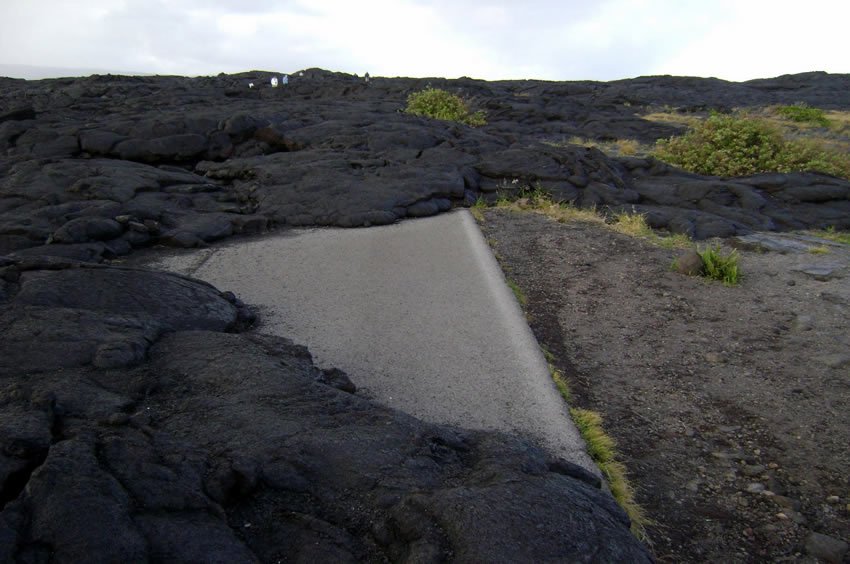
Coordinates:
285 79
274 82
367 77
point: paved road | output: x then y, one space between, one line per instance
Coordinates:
417 313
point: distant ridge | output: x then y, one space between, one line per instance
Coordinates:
35 72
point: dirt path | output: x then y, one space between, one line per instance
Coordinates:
731 406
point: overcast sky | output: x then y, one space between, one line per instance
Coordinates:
490 39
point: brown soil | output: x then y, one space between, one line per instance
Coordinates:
730 406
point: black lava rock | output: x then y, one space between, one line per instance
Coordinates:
208 157
137 421
132 426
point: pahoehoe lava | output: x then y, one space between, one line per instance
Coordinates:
142 419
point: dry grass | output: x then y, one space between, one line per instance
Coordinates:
835 136
672 118
635 225
560 212
619 146
831 234
839 121
629 147
623 147
559 379
600 446
602 449
631 224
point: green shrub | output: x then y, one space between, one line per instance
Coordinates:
729 145
720 267
802 112
439 104
724 146
811 155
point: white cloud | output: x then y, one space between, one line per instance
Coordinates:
758 39
239 25
550 39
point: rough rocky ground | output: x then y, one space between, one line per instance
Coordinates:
126 422
137 423
730 405
94 167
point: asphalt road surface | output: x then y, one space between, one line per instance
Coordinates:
417 313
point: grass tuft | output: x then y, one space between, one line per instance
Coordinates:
719 266
477 209
635 225
833 235
602 448
675 241
632 224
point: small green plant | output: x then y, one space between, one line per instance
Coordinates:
802 112
503 200
601 448
719 266
535 194
819 250
737 145
477 209
440 104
